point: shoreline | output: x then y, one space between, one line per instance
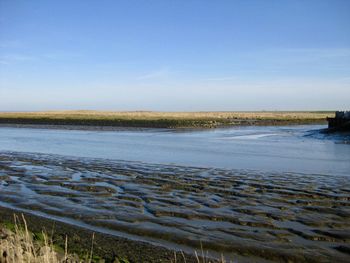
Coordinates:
85 127
78 127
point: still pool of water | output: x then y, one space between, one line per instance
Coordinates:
300 149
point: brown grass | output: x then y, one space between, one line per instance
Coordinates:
19 246
162 119
152 115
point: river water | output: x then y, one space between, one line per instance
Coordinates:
276 193
288 148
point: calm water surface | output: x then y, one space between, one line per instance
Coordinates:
300 149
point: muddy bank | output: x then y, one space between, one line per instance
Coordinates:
281 217
106 246
74 127
114 124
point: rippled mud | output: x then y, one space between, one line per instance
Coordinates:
275 216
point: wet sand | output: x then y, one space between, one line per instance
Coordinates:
283 217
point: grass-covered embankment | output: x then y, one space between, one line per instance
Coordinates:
147 119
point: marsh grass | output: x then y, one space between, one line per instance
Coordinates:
19 245
162 119
201 257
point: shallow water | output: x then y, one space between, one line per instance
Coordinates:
290 148
279 193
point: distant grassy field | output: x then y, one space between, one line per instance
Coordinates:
148 119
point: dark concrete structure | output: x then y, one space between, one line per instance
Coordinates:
341 121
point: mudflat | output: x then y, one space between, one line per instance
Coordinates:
240 214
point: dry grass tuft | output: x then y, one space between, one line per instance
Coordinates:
202 258
19 246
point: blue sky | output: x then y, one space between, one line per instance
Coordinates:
171 55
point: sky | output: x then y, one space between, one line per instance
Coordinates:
167 55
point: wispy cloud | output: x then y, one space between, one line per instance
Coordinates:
13 58
223 78
317 52
302 55
157 74
60 55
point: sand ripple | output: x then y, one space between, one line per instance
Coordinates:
276 216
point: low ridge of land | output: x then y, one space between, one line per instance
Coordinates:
149 119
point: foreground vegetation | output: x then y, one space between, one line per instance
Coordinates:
148 119
19 245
